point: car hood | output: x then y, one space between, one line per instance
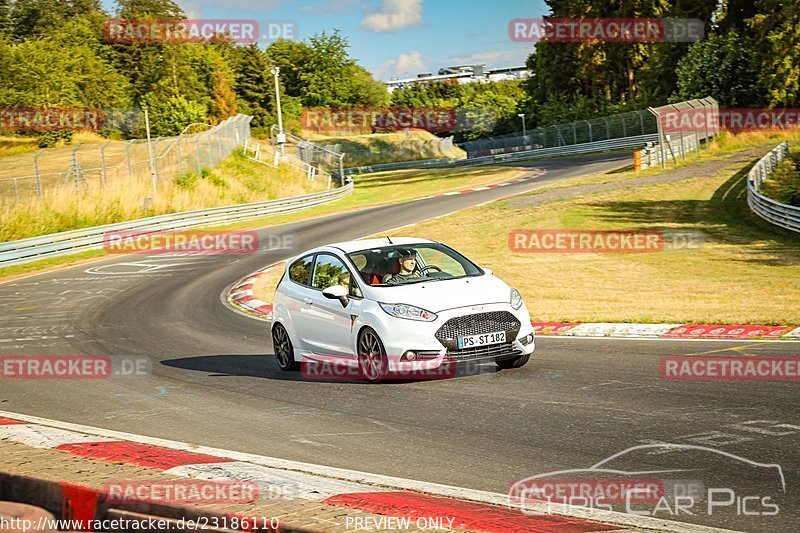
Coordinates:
445 294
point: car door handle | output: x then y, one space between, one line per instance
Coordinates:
309 301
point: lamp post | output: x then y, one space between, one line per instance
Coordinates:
281 138
522 118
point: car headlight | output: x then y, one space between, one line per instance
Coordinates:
409 311
516 299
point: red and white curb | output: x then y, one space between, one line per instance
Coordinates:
373 493
665 331
533 174
241 297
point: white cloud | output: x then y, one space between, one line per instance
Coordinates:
394 15
406 65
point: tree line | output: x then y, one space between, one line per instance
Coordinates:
750 57
53 55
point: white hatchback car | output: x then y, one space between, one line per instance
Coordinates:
395 305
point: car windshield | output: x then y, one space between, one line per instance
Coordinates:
394 265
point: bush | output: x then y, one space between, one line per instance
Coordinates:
187 180
49 139
783 185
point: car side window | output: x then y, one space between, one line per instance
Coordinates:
329 271
300 270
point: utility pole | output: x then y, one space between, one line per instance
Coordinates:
281 139
150 153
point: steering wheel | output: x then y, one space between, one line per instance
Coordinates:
429 267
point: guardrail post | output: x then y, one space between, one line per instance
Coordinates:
36 173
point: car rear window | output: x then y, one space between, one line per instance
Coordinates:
300 270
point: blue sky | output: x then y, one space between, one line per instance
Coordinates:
394 37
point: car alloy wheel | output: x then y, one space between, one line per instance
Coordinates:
371 356
282 346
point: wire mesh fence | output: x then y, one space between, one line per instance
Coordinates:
618 126
683 127
97 165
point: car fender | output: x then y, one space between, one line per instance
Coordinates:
280 314
368 319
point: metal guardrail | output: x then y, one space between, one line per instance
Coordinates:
785 216
70 242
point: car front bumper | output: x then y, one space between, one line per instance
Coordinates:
402 335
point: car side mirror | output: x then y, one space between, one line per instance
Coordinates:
488 271
337 292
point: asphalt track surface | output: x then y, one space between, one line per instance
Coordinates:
214 382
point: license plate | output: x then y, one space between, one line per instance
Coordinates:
484 339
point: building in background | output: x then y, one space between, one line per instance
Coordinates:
462 74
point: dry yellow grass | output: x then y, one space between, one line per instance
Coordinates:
746 271
236 181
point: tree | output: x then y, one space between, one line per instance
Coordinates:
222 92
170 116
292 58
325 76
776 29
157 9
30 18
6 25
253 82
721 66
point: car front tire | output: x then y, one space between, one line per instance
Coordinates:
372 361
517 362
282 346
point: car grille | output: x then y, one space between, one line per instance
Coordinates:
483 352
477 324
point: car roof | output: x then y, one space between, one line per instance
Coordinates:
365 244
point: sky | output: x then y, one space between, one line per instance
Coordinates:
393 37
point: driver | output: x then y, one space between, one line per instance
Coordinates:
408 267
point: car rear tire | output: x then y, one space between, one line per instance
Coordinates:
282 346
372 361
517 362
